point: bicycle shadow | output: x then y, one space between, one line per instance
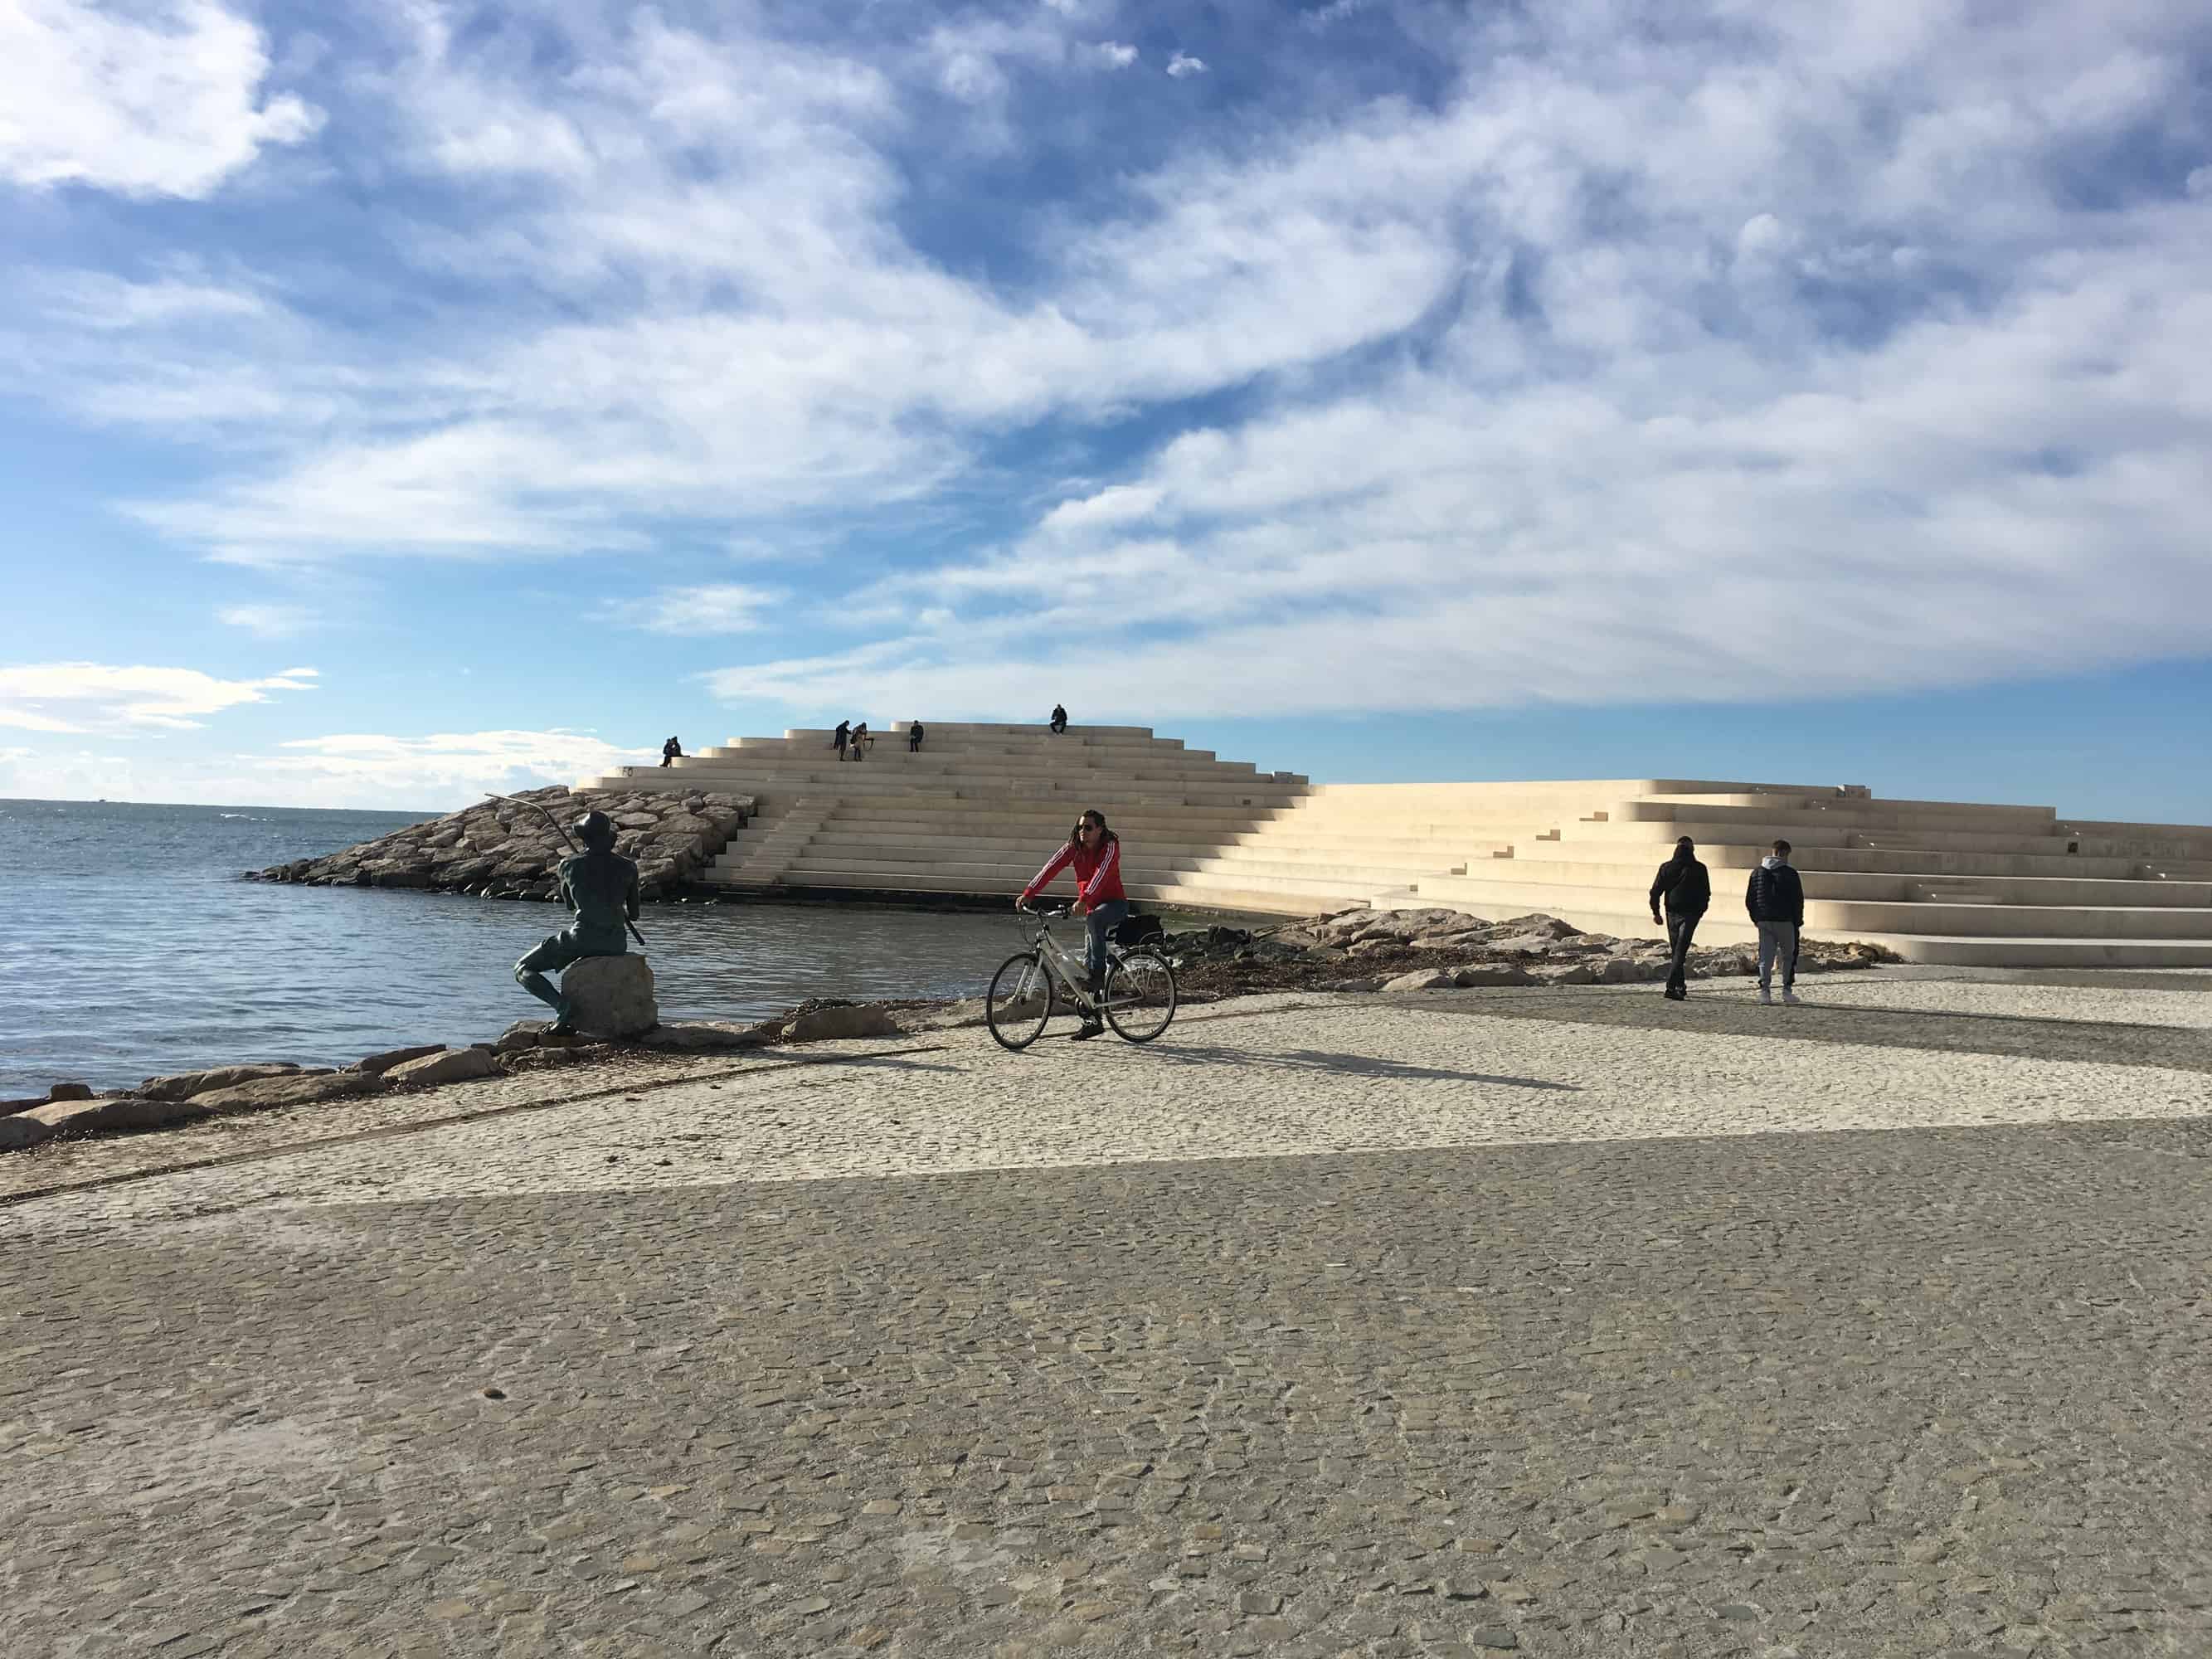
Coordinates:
1342 1064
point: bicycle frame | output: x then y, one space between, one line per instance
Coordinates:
1070 970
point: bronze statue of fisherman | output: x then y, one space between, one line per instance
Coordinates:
601 886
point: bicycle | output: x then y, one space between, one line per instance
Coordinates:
1137 999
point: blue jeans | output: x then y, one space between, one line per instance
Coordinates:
1102 920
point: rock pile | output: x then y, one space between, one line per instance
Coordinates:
498 850
1433 950
72 1109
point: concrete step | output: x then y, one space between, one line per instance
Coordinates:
2145 922
1356 872
2035 819
1657 833
1923 861
1896 888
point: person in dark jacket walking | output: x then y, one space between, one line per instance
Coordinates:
1687 888
1775 898
840 737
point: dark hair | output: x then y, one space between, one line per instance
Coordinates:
1093 816
1683 844
1781 846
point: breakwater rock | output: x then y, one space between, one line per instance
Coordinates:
74 1111
497 849
1436 950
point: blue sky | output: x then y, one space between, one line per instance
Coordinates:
411 399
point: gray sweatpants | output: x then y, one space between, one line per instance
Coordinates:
1778 939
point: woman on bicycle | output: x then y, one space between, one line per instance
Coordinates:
1096 853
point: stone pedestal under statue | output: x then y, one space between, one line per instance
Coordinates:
611 996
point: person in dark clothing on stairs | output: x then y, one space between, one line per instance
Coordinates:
1688 889
1775 898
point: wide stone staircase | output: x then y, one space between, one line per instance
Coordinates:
977 811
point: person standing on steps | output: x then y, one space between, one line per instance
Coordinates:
1096 853
1059 720
840 737
914 736
1775 898
1688 889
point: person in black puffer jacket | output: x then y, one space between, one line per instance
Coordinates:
1686 888
1775 898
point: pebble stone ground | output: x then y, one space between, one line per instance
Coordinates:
1568 1322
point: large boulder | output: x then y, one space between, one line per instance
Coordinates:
1492 973
377 1065
105 1116
611 996
704 1038
867 1019
300 1089
1427 979
183 1085
21 1130
447 1065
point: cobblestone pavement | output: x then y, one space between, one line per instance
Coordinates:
1586 1325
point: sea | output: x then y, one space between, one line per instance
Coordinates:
133 947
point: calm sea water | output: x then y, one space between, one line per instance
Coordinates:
130 947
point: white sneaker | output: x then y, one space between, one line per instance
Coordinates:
1790 997
1766 997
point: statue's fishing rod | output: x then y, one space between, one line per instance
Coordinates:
517 800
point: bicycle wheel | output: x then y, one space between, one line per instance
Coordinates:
1020 1004
1141 996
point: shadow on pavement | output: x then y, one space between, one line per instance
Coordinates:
1718 1012
1315 1059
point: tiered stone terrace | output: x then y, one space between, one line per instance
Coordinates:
977 809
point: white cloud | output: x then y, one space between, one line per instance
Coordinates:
1116 504
1754 352
1334 12
1183 63
1114 54
267 622
430 774
166 103
85 696
852 368
445 766
715 608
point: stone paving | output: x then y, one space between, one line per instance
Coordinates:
1568 1322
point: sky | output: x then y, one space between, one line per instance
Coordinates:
403 400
